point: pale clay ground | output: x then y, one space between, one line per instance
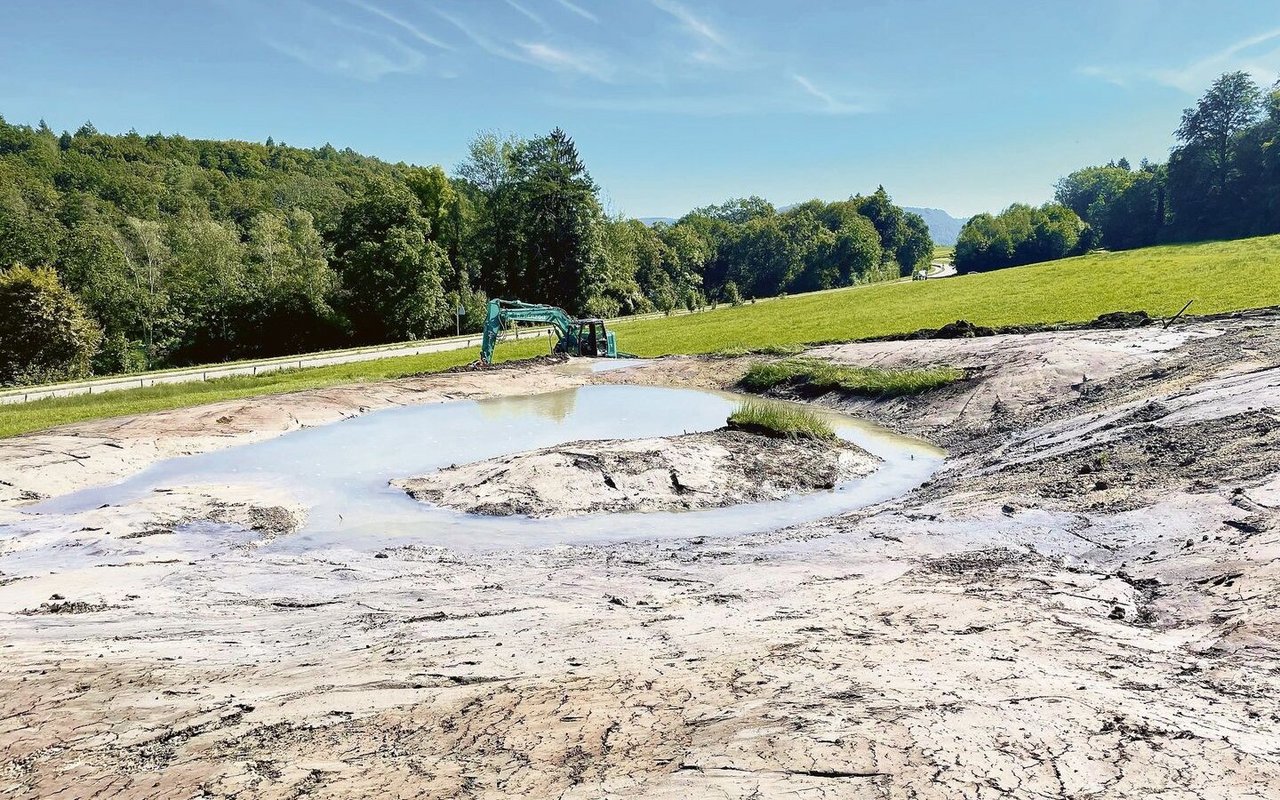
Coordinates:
1084 603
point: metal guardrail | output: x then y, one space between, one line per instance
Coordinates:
329 358
113 383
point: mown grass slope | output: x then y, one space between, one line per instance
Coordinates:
1218 276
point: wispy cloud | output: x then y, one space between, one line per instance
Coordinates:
538 54
579 10
412 29
715 45
328 42
1258 55
830 104
485 43
559 59
355 61
537 20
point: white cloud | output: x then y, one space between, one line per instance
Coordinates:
714 48
331 43
354 61
558 59
830 104
413 30
579 10
1259 55
537 20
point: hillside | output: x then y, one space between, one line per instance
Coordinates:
1158 280
944 228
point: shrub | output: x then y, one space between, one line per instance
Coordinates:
45 333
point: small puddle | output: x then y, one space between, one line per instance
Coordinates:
341 471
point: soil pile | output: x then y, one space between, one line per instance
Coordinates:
677 473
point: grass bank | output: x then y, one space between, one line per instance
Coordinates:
780 420
1219 276
812 375
40 414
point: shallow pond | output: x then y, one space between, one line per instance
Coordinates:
341 471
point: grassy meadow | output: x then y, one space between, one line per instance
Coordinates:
1218 276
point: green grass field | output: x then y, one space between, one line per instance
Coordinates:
1218 276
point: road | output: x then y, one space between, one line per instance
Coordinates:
938 269
942 269
185 375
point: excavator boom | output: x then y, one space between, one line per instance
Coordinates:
578 337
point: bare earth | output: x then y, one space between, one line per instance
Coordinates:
1085 602
672 473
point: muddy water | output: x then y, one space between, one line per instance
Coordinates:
341 471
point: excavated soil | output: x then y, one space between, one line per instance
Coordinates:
674 473
1083 602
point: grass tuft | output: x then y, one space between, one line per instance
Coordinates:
815 376
780 420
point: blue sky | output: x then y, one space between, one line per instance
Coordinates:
674 103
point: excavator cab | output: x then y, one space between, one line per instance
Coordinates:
588 337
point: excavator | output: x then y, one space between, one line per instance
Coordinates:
574 337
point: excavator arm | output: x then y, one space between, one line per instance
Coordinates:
502 312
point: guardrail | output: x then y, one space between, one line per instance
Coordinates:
113 383
189 375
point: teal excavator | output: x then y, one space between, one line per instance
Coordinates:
574 337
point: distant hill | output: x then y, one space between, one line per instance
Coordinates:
943 227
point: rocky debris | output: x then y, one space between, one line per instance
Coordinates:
66 607
693 471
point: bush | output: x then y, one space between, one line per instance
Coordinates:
780 420
119 355
817 377
45 333
731 294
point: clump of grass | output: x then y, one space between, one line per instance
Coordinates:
780 420
812 375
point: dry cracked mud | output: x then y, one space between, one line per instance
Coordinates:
1084 602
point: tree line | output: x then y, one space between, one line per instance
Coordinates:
1222 181
122 253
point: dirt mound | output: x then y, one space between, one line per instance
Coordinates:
519 363
961 329
693 471
1122 319
964 329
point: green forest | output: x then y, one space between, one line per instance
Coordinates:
1222 181
129 252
